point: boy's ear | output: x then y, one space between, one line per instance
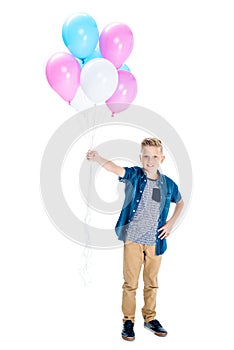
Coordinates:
162 159
140 157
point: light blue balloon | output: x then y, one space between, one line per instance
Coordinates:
80 35
81 62
95 54
125 67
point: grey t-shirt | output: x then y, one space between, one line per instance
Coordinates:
142 228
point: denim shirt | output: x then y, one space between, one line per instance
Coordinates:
135 180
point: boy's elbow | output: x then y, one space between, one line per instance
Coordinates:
180 203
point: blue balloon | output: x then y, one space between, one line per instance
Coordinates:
125 67
80 35
95 54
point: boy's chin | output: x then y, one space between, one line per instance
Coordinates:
151 170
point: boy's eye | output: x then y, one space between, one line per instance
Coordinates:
149 156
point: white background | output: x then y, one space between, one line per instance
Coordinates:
183 61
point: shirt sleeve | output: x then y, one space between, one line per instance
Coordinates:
129 172
176 195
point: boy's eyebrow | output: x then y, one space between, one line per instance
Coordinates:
150 155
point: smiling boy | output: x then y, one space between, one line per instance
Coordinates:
143 227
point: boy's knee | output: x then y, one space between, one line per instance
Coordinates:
130 286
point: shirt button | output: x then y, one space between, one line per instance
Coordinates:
134 210
137 200
145 180
140 191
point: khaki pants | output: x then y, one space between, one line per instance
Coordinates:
136 255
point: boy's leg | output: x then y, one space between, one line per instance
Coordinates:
132 262
150 276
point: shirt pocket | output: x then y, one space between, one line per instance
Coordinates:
156 195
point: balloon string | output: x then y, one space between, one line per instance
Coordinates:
88 210
87 253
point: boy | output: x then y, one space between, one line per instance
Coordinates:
143 227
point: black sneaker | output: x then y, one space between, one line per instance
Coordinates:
155 327
128 332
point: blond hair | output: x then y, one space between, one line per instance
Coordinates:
152 141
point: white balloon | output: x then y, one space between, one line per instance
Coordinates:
99 79
81 102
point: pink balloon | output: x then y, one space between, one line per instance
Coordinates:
116 43
63 74
124 94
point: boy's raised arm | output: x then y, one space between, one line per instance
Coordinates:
105 163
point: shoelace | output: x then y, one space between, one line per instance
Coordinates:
156 323
128 326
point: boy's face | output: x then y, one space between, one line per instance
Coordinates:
151 158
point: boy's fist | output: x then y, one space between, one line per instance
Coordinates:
91 155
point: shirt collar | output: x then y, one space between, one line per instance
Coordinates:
160 178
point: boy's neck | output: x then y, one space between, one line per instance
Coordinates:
153 175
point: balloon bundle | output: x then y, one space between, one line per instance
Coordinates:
95 66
